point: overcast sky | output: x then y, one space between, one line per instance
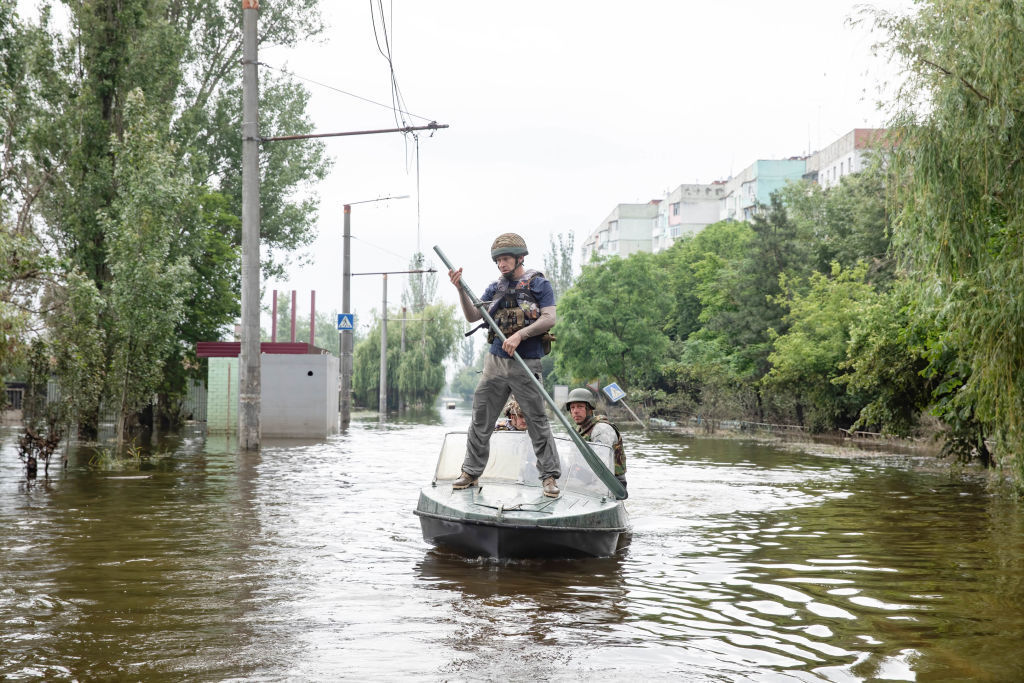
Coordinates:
558 112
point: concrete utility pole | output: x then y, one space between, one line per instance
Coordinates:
345 336
401 398
382 405
249 359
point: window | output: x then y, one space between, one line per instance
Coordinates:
675 208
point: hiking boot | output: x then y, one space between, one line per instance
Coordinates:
551 488
464 481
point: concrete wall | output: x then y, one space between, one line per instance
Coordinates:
298 395
222 395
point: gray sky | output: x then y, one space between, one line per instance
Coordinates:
559 111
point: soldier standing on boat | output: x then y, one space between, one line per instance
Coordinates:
522 303
596 428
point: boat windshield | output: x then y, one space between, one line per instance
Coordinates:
512 460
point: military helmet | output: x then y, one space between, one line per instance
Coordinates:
508 243
581 395
512 408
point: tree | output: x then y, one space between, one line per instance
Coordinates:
611 322
960 226
418 375
558 263
740 307
181 56
420 288
847 224
693 264
886 361
807 361
145 294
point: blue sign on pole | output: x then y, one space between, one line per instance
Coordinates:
346 321
614 393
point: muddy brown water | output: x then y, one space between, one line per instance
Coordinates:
305 562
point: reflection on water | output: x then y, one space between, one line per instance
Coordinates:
306 562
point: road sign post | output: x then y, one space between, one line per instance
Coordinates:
615 394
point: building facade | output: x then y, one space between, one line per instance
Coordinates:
625 231
754 185
849 154
685 211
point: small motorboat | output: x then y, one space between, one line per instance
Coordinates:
449 404
506 515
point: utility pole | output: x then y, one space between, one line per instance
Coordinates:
382 405
345 338
249 358
401 398
345 335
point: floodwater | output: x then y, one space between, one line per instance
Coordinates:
305 562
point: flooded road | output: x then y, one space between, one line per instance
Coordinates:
305 562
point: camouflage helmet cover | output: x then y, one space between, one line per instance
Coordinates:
508 243
580 395
512 408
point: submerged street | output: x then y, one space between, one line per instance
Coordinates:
305 562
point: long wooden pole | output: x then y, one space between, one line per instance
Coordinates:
599 468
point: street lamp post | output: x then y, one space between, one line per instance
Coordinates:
383 402
345 339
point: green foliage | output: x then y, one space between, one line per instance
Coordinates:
145 294
611 322
807 360
420 288
558 263
694 264
960 227
79 348
468 376
74 138
418 374
847 224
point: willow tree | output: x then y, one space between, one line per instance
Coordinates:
959 127
418 374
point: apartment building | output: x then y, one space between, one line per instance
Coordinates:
626 230
849 154
685 211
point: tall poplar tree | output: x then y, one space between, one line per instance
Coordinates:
179 58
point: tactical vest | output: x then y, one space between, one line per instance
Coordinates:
620 453
515 307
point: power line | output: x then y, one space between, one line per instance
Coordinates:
343 92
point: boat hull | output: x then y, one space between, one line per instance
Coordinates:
507 515
510 542
518 521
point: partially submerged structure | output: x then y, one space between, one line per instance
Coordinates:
298 388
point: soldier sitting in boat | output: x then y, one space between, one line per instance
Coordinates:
596 428
514 420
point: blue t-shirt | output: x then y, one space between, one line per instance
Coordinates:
545 296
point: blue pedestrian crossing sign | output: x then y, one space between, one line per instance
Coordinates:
614 393
345 321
